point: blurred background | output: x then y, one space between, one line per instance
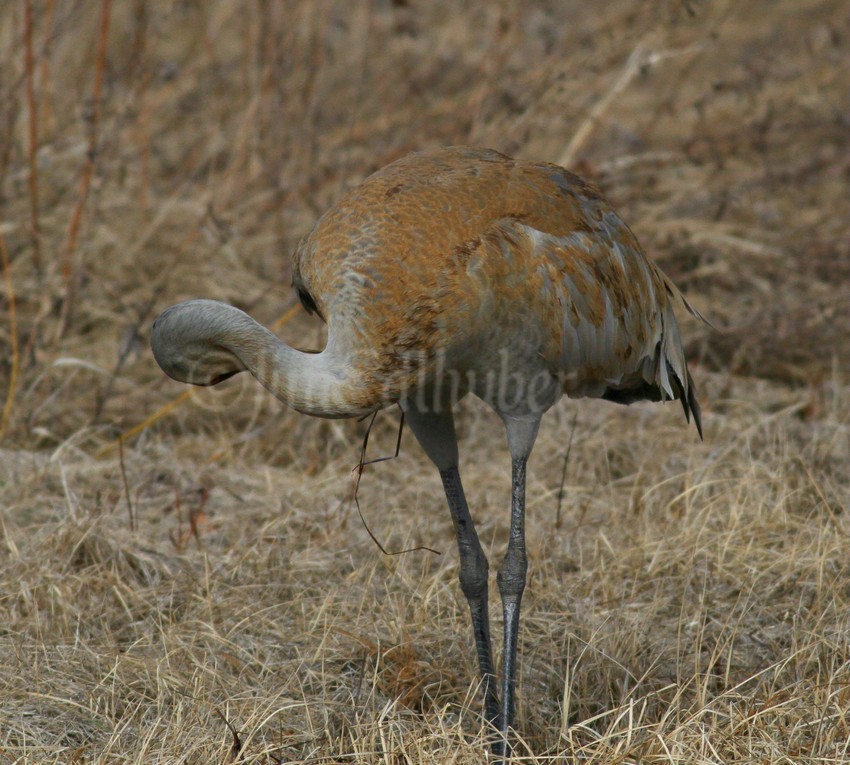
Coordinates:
151 152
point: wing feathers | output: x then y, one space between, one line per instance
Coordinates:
619 338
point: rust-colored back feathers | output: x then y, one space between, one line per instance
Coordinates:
447 258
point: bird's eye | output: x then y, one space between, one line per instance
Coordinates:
223 376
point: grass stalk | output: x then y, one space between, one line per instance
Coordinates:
13 338
32 136
68 276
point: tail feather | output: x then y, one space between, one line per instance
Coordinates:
687 394
672 363
674 292
665 374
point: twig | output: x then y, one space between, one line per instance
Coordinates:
359 470
236 745
32 145
13 337
591 122
143 76
196 514
88 169
634 64
564 471
10 106
132 335
130 513
157 415
45 111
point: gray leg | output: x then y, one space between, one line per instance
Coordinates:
511 579
473 582
436 433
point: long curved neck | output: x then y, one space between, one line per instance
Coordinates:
203 342
320 384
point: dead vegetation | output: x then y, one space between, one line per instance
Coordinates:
207 593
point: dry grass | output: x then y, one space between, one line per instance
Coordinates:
207 593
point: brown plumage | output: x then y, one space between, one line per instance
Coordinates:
460 271
448 249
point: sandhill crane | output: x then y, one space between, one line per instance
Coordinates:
456 271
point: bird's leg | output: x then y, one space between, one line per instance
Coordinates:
511 580
473 581
435 431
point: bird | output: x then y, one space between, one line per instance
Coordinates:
456 271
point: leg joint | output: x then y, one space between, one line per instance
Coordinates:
474 571
512 574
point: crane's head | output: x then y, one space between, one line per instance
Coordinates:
192 341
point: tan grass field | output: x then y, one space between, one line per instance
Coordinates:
203 590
